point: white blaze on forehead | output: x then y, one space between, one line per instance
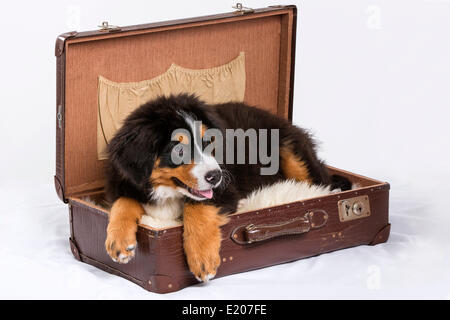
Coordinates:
195 128
197 140
206 162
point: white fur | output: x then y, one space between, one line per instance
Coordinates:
203 165
163 193
281 193
164 214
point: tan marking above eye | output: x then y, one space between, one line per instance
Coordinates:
183 138
203 130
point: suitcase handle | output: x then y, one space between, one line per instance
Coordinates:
251 233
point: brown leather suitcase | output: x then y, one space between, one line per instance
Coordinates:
251 240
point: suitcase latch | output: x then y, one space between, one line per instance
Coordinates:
106 27
354 208
240 9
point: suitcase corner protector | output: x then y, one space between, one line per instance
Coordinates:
61 42
382 235
161 284
74 249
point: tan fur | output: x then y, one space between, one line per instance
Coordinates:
292 166
121 232
203 130
202 239
181 137
162 176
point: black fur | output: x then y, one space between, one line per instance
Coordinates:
340 182
146 135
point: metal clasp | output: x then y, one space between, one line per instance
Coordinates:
106 27
240 9
354 208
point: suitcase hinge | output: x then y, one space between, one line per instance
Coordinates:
240 9
59 189
71 221
59 116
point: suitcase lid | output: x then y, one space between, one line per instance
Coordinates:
135 53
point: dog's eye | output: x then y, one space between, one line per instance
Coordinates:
178 150
176 155
206 143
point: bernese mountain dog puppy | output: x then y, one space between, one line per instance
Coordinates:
165 151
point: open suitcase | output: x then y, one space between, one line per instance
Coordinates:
253 239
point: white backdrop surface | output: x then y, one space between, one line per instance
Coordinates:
373 85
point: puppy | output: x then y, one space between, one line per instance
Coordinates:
207 157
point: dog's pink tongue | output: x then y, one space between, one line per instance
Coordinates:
206 193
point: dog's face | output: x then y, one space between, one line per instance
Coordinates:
183 167
160 149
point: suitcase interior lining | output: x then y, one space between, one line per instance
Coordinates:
266 39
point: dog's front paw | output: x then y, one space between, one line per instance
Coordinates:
204 264
121 246
202 239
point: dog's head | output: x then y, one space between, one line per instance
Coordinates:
161 149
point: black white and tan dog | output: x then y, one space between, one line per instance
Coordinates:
142 170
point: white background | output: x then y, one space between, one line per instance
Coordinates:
373 84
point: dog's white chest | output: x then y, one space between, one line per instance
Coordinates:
167 213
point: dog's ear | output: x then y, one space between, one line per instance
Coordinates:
132 153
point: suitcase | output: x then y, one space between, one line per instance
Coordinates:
251 240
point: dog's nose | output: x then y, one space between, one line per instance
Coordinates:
213 176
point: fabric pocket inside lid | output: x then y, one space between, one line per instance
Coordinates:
116 100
